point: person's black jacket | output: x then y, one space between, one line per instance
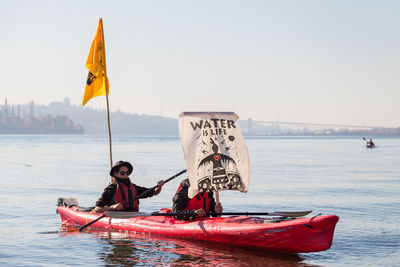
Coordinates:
107 198
181 198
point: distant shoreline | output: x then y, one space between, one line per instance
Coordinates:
247 137
74 119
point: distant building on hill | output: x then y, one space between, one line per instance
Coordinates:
95 121
12 122
91 120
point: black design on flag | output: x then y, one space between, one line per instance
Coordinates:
91 77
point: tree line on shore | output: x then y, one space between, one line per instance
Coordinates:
64 118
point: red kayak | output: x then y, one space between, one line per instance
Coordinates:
288 235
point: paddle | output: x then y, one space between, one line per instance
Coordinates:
126 215
139 196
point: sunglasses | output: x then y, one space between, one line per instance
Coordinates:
123 172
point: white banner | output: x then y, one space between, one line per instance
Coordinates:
215 153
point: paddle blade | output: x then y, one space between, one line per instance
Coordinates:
291 214
59 232
49 232
125 214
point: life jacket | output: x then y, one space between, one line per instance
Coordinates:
199 201
124 195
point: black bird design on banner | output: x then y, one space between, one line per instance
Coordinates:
215 158
220 179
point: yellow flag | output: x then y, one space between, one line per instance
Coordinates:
97 81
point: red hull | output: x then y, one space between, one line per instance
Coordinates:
292 236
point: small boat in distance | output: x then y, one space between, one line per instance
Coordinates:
369 143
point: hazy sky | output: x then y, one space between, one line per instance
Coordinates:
302 61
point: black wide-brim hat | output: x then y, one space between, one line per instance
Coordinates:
118 165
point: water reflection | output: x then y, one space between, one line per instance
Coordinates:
129 249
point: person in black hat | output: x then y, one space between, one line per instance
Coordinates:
121 194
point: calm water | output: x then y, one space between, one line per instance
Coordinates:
327 175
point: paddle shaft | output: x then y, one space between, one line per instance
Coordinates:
127 215
366 140
92 222
139 196
154 187
223 213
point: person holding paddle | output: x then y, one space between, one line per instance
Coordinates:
198 206
121 194
370 143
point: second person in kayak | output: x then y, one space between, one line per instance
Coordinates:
121 194
198 206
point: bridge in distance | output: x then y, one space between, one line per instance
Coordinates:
250 127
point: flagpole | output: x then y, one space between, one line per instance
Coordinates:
105 80
109 131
